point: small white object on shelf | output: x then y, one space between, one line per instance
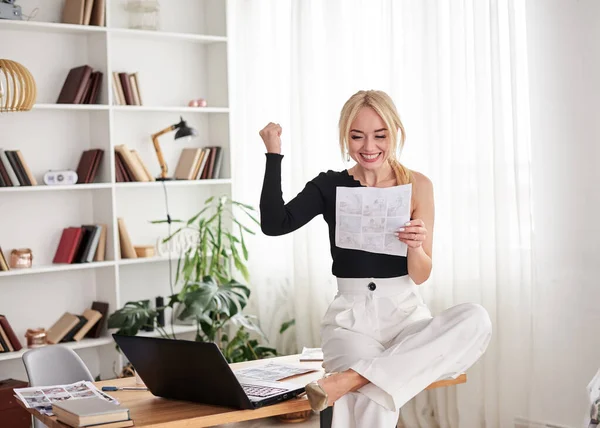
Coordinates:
143 14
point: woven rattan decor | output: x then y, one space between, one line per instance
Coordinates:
17 87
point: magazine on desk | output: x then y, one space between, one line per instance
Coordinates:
42 397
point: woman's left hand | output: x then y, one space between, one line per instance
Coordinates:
413 233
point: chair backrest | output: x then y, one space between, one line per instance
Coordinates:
54 365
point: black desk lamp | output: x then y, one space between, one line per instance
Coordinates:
183 131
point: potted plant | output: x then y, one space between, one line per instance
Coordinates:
209 294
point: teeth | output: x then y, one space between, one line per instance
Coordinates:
369 157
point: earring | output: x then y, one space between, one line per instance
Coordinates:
347 157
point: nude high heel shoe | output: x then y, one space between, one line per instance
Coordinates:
317 397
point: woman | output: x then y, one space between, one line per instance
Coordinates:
381 345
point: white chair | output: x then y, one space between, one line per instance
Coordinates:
54 365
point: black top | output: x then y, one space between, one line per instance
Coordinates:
318 197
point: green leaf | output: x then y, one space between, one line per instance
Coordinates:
195 217
243 227
287 325
240 204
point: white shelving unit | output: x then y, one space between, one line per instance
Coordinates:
187 58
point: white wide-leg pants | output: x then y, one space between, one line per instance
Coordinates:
382 329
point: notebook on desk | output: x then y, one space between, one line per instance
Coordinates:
198 372
92 411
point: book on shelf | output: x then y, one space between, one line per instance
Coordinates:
84 12
126 88
14 171
81 86
129 165
8 339
81 244
127 249
70 327
96 330
199 163
4 266
88 165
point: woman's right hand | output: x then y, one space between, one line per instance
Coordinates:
271 135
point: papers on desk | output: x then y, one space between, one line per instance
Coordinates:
42 397
273 371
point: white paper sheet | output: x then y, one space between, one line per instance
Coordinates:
273 371
42 397
366 218
311 354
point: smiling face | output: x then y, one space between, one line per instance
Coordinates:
369 139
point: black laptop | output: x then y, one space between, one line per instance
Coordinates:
198 372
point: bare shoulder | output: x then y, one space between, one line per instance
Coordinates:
422 194
422 184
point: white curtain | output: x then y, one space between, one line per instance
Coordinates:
457 71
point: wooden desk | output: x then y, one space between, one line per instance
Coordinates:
146 410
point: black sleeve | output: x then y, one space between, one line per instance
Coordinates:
278 218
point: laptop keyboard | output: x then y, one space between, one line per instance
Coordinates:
261 391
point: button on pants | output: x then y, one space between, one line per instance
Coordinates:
382 329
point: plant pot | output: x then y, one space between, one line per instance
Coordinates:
295 417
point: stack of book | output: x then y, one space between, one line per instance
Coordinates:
126 89
82 244
8 339
13 170
82 86
88 165
70 327
199 163
129 165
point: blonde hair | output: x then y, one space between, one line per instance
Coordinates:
385 108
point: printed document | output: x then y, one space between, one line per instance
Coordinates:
42 397
273 371
366 218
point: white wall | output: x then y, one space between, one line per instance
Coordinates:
564 65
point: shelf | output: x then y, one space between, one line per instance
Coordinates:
143 260
198 38
172 183
55 27
83 343
56 268
174 109
131 109
88 107
46 188
46 27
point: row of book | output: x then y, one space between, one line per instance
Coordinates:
83 244
84 12
126 89
14 170
8 339
70 327
129 165
81 86
199 163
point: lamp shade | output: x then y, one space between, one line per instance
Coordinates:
183 130
18 90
